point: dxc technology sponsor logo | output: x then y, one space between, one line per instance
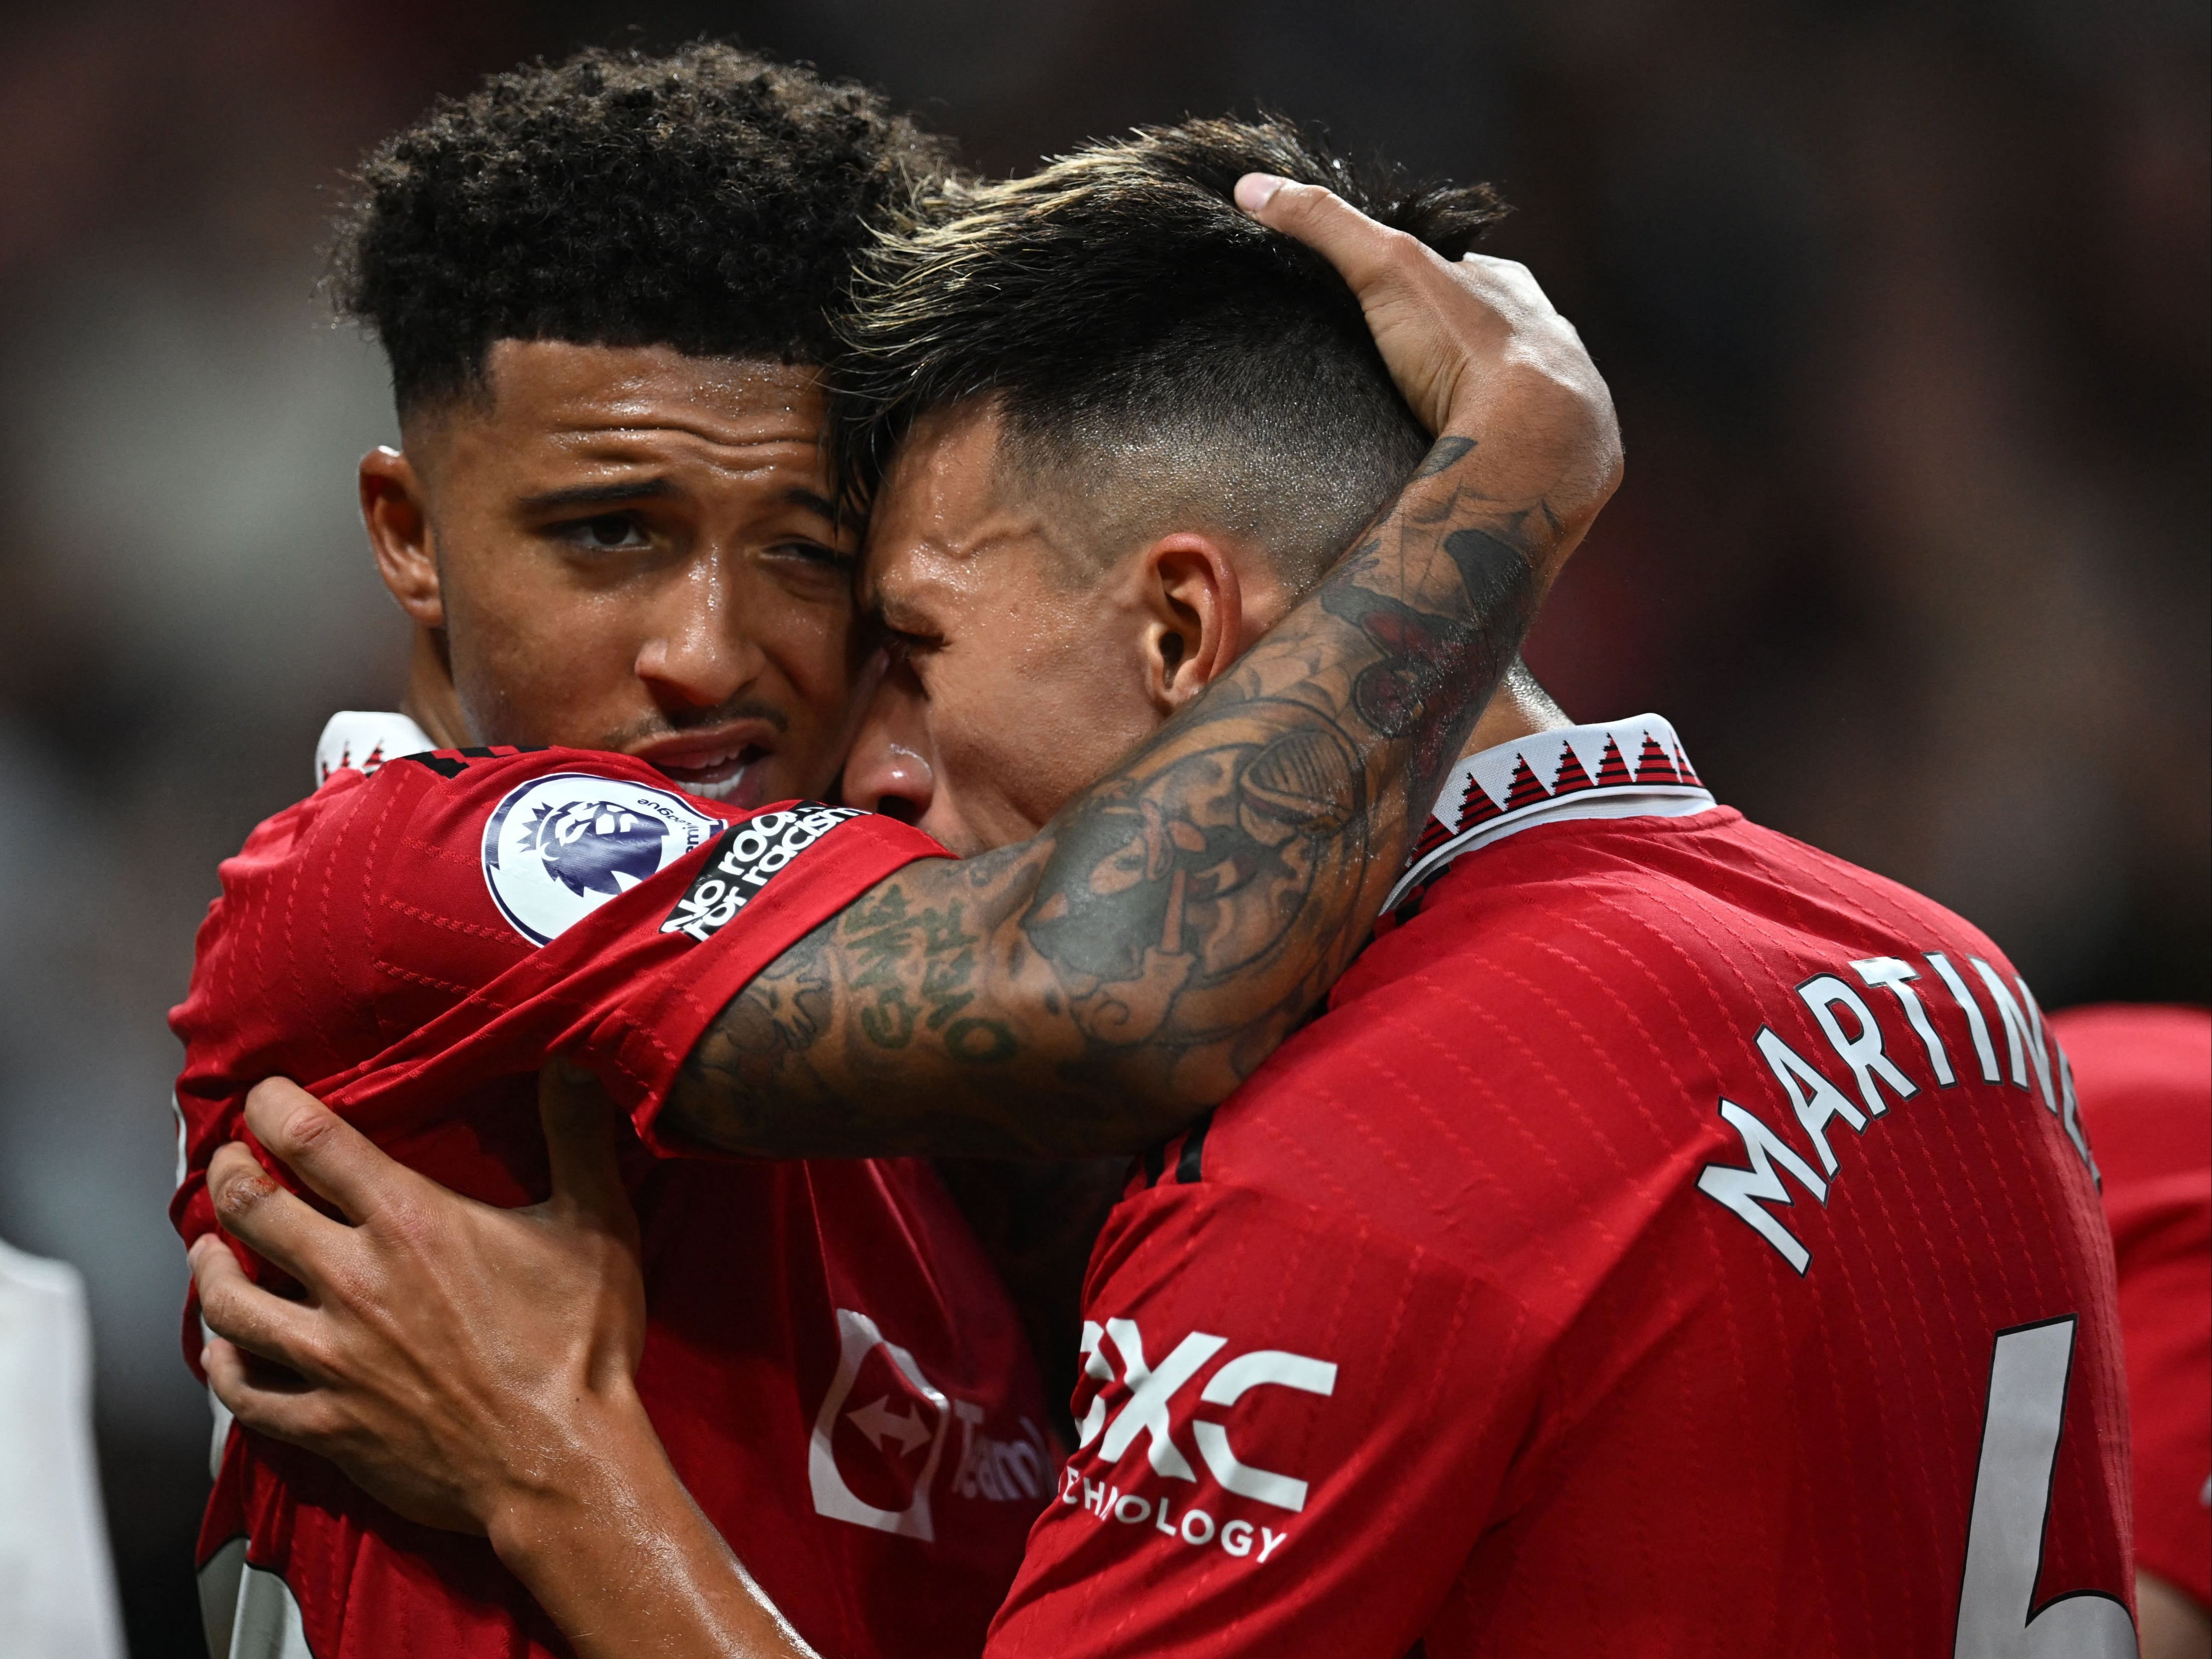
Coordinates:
1159 1404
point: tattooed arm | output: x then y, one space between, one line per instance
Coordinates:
1092 989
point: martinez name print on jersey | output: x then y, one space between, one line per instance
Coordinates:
1815 1101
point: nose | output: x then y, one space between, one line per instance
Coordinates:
891 769
696 656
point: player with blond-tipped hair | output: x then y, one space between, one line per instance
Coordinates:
603 287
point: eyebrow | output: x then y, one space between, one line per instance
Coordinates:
606 494
896 611
613 494
798 495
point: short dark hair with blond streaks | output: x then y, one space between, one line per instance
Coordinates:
1154 354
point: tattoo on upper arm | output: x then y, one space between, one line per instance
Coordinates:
1092 989
787 1007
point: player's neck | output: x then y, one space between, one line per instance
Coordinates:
1520 708
431 701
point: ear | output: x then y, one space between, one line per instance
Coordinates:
1195 627
396 512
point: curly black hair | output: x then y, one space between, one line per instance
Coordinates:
709 199
1148 346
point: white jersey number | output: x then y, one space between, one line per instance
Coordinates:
2012 1502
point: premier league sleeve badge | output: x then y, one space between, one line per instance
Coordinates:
557 847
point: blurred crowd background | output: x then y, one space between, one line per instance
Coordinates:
1905 307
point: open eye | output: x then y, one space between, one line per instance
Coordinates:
609 533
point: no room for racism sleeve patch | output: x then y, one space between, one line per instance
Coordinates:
749 853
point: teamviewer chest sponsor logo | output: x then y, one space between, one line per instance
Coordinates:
741 864
1170 1412
557 847
884 1432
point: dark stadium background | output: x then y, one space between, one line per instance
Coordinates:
1904 304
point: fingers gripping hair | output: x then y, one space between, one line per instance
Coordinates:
1146 342
1326 223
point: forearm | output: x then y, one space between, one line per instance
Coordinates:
614 1549
1093 990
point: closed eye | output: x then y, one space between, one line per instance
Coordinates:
816 553
901 645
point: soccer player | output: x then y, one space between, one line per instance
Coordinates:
2145 1079
614 518
1671 1240
601 287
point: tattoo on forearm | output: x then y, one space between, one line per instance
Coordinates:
1093 990
1445 452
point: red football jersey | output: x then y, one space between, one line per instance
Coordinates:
836 1373
2145 1076
1672 1240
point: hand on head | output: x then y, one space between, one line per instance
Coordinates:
447 1354
1478 352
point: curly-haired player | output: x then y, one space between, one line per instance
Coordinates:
612 522
574 247
604 287
709 200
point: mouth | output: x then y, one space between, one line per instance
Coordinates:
730 769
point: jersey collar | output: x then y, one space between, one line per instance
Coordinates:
1628 768
364 739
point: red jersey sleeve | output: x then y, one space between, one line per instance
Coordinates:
1292 1427
626 973
411 945
2144 1077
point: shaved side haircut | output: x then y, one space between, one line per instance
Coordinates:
1159 359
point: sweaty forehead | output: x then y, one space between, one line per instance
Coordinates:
949 527
901 586
553 395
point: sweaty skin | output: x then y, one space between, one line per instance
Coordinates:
607 556
987 610
1091 990
441 1391
626 548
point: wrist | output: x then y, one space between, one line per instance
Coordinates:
602 1533
606 1454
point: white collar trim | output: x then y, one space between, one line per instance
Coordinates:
1634 768
364 739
